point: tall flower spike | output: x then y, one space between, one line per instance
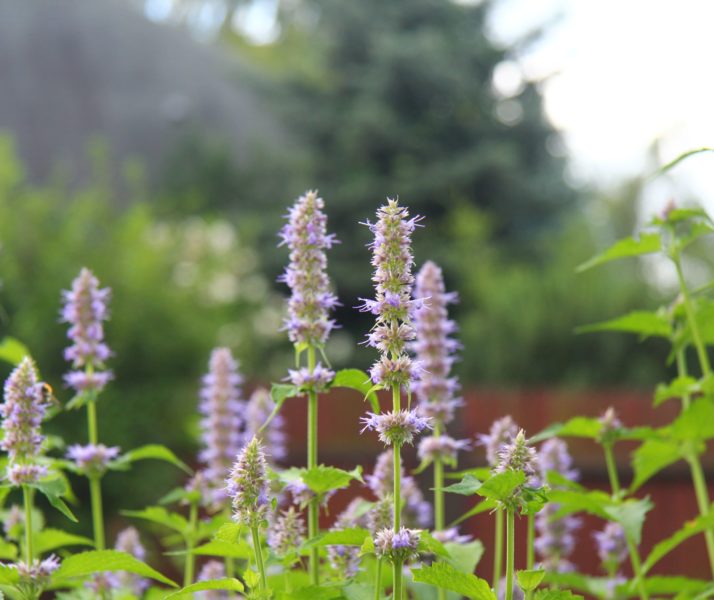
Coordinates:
309 307
213 569
556 535
518 456
611 546
502 432
287 532
260 406
248 485
23 411
221 408
434 346
85 309
128 541
393 305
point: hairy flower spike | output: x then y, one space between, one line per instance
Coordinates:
128 541
316 380
434 347
248 485
396 428
518 456
213 569
393 305
441 446
399 547
85 309
221 408
309 307
502 432
39 572
611 546
260 406
22 412
287 532
92 459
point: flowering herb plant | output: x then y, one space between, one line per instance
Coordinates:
245 524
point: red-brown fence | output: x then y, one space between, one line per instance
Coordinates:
341 444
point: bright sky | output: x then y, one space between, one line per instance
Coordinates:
619 74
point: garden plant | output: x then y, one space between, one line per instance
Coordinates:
245 524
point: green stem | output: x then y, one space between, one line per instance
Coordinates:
92 421
396 406
189 565
259 557
230 567
313 513
378 581
530 550
439 516
95 493
498 551
510 551
632 549
27 501
691 317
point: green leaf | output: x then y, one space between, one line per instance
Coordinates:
530 580
664 547
224 549
314 592
160 516
631 515
647 243
677 388
88 563
8 575
481 473
53 490
359 591
556 595
642 322
464 557
502 485
150 451
232 585
51 539
12 350
685 155
447 577
585 427
353 536
8 551
593 502
651 457
355 379
324 479
468 486
429 544
279 393
696 423
483 506
229 533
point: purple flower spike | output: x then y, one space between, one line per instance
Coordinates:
309 307
213 569
518 456
393 305
92 459
434 346
39 572
396 428
260 406
85 309
400 546
128 541
248 485
611 546
502 432
316 380
287 532
22 412
443 447
221 408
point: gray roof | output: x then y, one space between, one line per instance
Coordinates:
71 70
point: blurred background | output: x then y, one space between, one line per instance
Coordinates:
159 142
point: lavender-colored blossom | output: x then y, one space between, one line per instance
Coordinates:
396 428
345 559
248 485
556 535
381 515
92 459
416 510
518 456
434 346
287 532
442 447
102 584
315 380
393 305
610 424
39 571
502 432
259 408
22 412
309 307
14 522
85 309
451 535
611 546
213 569
302 495
221 407
400 546
128 541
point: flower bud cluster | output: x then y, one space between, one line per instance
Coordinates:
248 485
400 547
396 428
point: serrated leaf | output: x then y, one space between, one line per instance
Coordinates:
556 595
464 557
12 350
642 322
229 533
150 451
445 576
8 575
677 388
631 515
314 592
358 380
322 479
160 516
664 547
354 536
50 539
651 457
647 243
53 490
88 563
696 422
429 544
502 485
468 486
239 550
8 551
229 584
530 580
